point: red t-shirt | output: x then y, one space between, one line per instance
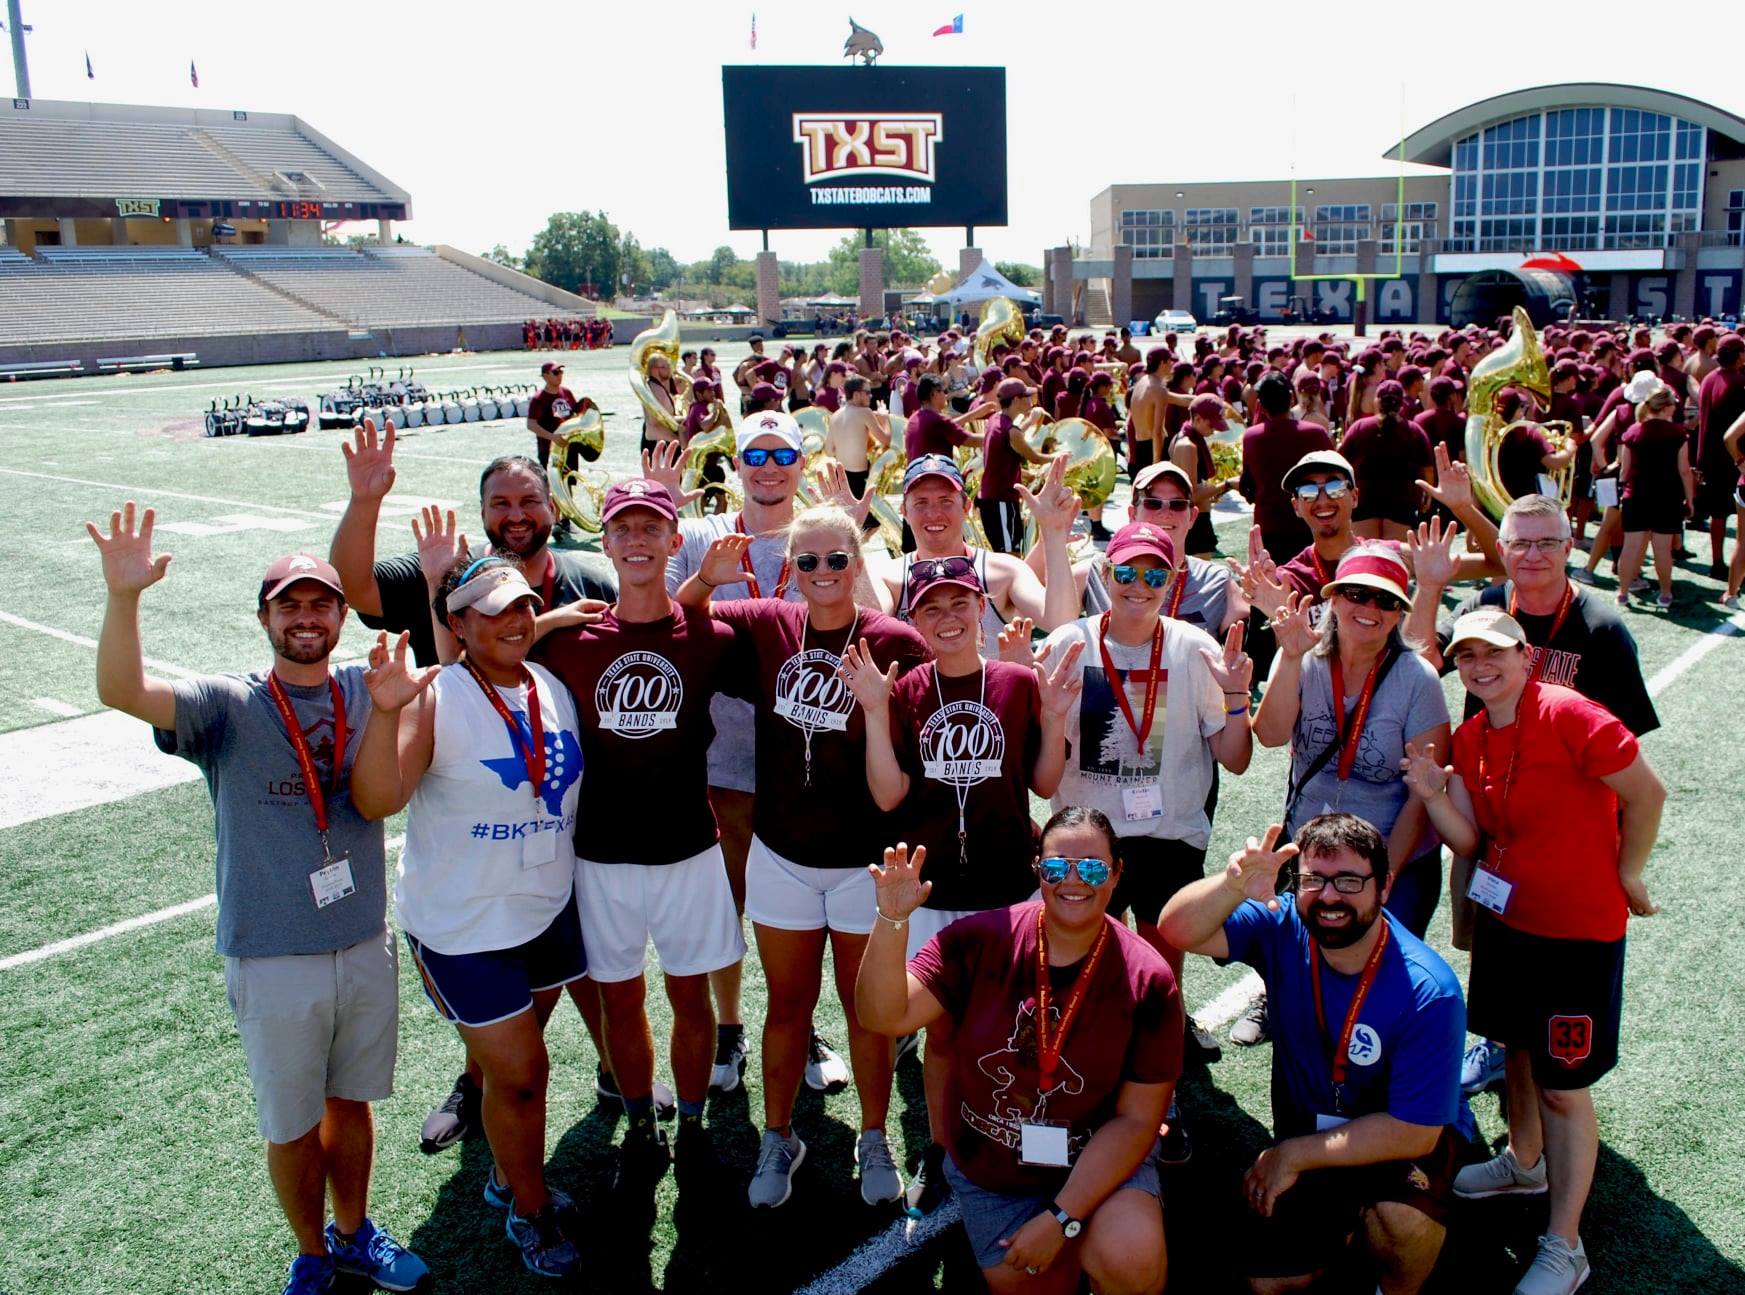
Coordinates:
1304 576
1560 827
1444 427
1388 459
1001 464
1269 450
831 821
642 691
930 432
1053 383
549 410
1099 413
1520 460
985 748
1654 447
1720 401
1128 1029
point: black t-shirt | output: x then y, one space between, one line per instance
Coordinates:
406 598
1594 654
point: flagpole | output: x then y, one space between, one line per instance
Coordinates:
20 64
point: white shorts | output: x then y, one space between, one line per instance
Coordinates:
685 907
793 897
925 923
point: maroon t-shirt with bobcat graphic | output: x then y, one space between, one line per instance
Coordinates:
982 969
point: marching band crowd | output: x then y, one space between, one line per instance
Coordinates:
756 712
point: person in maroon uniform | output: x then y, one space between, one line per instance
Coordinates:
1390 456
1191 451
1004 454
642 677
552 404
1720 401
1566 407
802 885
1444 422
1525 453
1269 449
1066 1045
1658 491
954 749
930 430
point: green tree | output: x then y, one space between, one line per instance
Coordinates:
634 268
721 262
908 262
504 257
579 252
663 269
1025 276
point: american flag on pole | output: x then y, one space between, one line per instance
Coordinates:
193 74
754 31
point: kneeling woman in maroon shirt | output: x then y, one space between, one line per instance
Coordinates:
1066 1039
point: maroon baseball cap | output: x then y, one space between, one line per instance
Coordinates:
1730 347
1211 408
550 366
765 391
1139 539
288 570
1012 388
927 574
639 492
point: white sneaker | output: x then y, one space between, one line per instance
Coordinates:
1558 1268
730 1054
880 1183
1501 1175
826 1071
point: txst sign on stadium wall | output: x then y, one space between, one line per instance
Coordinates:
864 147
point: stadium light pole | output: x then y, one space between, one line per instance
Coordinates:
20 65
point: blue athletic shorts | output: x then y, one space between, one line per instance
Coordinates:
479 989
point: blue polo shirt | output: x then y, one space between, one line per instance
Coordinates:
1405 1048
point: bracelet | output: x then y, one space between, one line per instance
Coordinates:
1236 692
898 925
702 580
1240 710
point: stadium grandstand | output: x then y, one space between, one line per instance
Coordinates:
199 233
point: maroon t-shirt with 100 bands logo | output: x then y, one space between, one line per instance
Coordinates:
642 692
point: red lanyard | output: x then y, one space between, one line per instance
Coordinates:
1322 576
1541 653
1351 734
1499 805
534 755
1341 1054
751 576
1176 594
306 757
1141 728
1047 1054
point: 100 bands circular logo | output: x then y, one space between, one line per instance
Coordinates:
810 694
962 744
639 695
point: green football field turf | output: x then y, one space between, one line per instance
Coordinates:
128 1155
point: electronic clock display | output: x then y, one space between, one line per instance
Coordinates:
297 210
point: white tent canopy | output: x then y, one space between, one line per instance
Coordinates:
986 282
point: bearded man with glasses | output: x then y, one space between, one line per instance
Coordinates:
1367 1023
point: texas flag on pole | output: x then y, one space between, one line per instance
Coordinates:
952 28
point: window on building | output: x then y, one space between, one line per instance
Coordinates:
1210 231
1151 234
1414 222
1639 136
1736 217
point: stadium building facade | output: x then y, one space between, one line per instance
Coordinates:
1637 194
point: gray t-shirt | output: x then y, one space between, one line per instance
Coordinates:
1406 703
733 753
228 726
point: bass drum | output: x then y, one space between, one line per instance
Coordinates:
470 407
488 406
523 403
212 424
452 409
414 415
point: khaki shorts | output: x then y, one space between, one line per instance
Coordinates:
315 1026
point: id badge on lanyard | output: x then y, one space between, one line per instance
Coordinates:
1044 1144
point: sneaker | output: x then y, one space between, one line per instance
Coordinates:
1623 599
1250 1028
777 1158
1665 601
928 1189
1178 1147
1731 601
1582 576
730 1055
909 1045
1482 1066
545 1249
499 1197
455 1119
695 1164
1501 1175
642 1162
1201 1045
310 1275
1640 585
665 1104
375 1256
1558 1268
880 1183
825 1069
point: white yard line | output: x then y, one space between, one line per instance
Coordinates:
1664 677
81 640
149 493
55 706
896 1243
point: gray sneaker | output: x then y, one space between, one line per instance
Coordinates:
880 1183
1501 1175
1250 1028
777 1158
1582 576
1558 1268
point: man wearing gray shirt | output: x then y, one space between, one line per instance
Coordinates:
309 964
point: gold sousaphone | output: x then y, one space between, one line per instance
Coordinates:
1519 363
651 343
578 490
1000 322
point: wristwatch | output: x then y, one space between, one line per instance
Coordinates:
1069 1226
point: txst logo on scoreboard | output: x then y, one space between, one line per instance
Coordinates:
861 146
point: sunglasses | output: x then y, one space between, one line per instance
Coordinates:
1364 596
1336 489
808 562
1346 883
1155 577
1053 870
940 569
757 457
1158 505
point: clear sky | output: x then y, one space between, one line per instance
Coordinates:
493 115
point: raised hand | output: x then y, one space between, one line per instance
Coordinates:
1061 685
870 685
1453 488
666 464
393 683
1014 641
369 465
1233 669
1430 550
584 611
723 561
1254 869
831 481
128 566
1294 626
898 885
1054 505
1261 585
1424 773
439 544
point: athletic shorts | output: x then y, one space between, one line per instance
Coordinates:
925 923
989 1217
1003 521
1656 516
686 908
1717 491
1312 1222
794 897
857 482
1560 1001
314 1026
1152 870
477 989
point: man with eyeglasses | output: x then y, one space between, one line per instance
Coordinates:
1367 1024
1160 704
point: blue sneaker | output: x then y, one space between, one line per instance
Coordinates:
310 1275
1483 1066
499 1197
377 1257
545 1249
